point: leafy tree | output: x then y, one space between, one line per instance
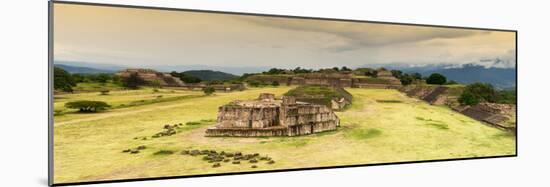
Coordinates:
208 90
274 71
366 71
436 78
344 68
133 81
117 80
468 98
78 78
416 76
104 92
275 83
478 92
63 80
300 70
335 69
406 79
507 97
155 83
254 83
102 77
397 73
87 106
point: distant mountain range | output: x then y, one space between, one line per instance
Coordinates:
499 73
209 75
202 74
82 70
166 68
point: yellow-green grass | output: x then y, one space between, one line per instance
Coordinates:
370 132
95 86
121 98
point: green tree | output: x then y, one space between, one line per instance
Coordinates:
155 84
396 73
87 106
62 80
468 98
478 92
102 77
209 90
254 83
275 83
133 81
436 78
416 76
406 79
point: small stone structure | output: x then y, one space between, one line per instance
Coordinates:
267 116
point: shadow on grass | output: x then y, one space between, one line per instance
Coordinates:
440 126
163 152
389 101
362 134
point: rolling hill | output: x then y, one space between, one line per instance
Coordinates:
82 70
209 75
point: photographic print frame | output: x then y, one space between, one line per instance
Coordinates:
52 98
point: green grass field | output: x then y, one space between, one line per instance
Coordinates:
381 126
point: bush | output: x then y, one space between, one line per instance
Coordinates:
104 92
275 83
478 92
133 81
164 152
406 79
63 80
467 98
209 90
87 106
436 78
254 83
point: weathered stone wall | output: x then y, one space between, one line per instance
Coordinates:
306 114
247 117
323 79
214 131
304 129
268 117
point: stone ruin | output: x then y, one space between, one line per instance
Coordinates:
267 116
384 80
217 87
149 76
497 115
494 114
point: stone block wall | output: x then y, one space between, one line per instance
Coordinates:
248 117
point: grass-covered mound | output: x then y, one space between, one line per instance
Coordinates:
318 94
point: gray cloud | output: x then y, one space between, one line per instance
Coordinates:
356 36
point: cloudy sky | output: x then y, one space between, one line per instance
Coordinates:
142 37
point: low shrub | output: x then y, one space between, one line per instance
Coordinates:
164 152
87 106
